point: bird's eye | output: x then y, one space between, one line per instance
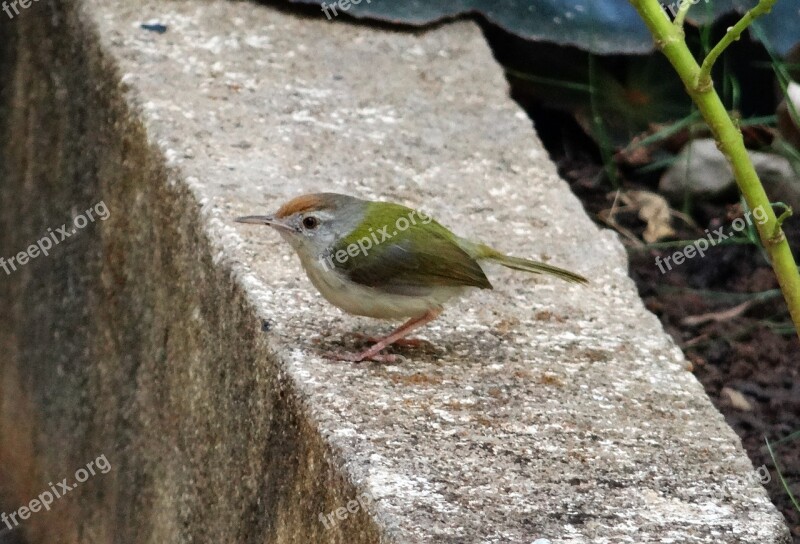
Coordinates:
310 222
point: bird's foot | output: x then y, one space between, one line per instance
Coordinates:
385 358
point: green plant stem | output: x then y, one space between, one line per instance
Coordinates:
670 41
733 34
598 128
683 9
780 476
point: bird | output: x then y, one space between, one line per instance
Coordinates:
386 261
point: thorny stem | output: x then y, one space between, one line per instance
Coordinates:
733 34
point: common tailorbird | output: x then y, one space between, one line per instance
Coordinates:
384 260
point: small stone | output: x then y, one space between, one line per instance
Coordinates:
699 170
702 172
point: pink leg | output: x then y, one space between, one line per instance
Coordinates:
373 353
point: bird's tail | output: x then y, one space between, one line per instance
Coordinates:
526 265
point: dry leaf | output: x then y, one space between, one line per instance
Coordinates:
654 210
736 399
716 317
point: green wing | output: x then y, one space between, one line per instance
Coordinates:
408 261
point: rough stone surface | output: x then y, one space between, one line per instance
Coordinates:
185 347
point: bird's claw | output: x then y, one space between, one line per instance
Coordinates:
385 358
402 342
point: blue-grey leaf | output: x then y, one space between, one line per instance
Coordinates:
598 26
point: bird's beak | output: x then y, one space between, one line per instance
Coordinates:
263 220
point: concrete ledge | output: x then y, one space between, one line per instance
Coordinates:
548 411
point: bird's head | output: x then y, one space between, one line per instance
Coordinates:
314 223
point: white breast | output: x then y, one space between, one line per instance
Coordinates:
358 299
